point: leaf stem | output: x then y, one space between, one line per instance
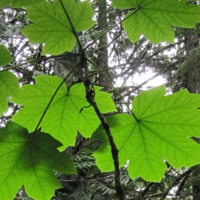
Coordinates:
82 53
90 99
73 29
53 96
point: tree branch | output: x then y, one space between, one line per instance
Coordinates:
90 99
176 182
114 150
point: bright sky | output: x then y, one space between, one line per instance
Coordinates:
140 78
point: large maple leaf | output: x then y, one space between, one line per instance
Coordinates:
29 160
68 113
155 18
162 132
51 26
8 87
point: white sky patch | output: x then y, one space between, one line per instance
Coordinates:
143 80
151 77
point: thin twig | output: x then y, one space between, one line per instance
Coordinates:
53 96
118 93
136 10
176 182
73 28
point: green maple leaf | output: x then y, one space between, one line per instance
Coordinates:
68 112
51 25
17 3
9 87
155 18
162 132
29 160
5 56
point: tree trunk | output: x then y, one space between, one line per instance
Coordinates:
102 53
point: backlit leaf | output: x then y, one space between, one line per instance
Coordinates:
69 112
29 160
155 18
51 26
162 132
